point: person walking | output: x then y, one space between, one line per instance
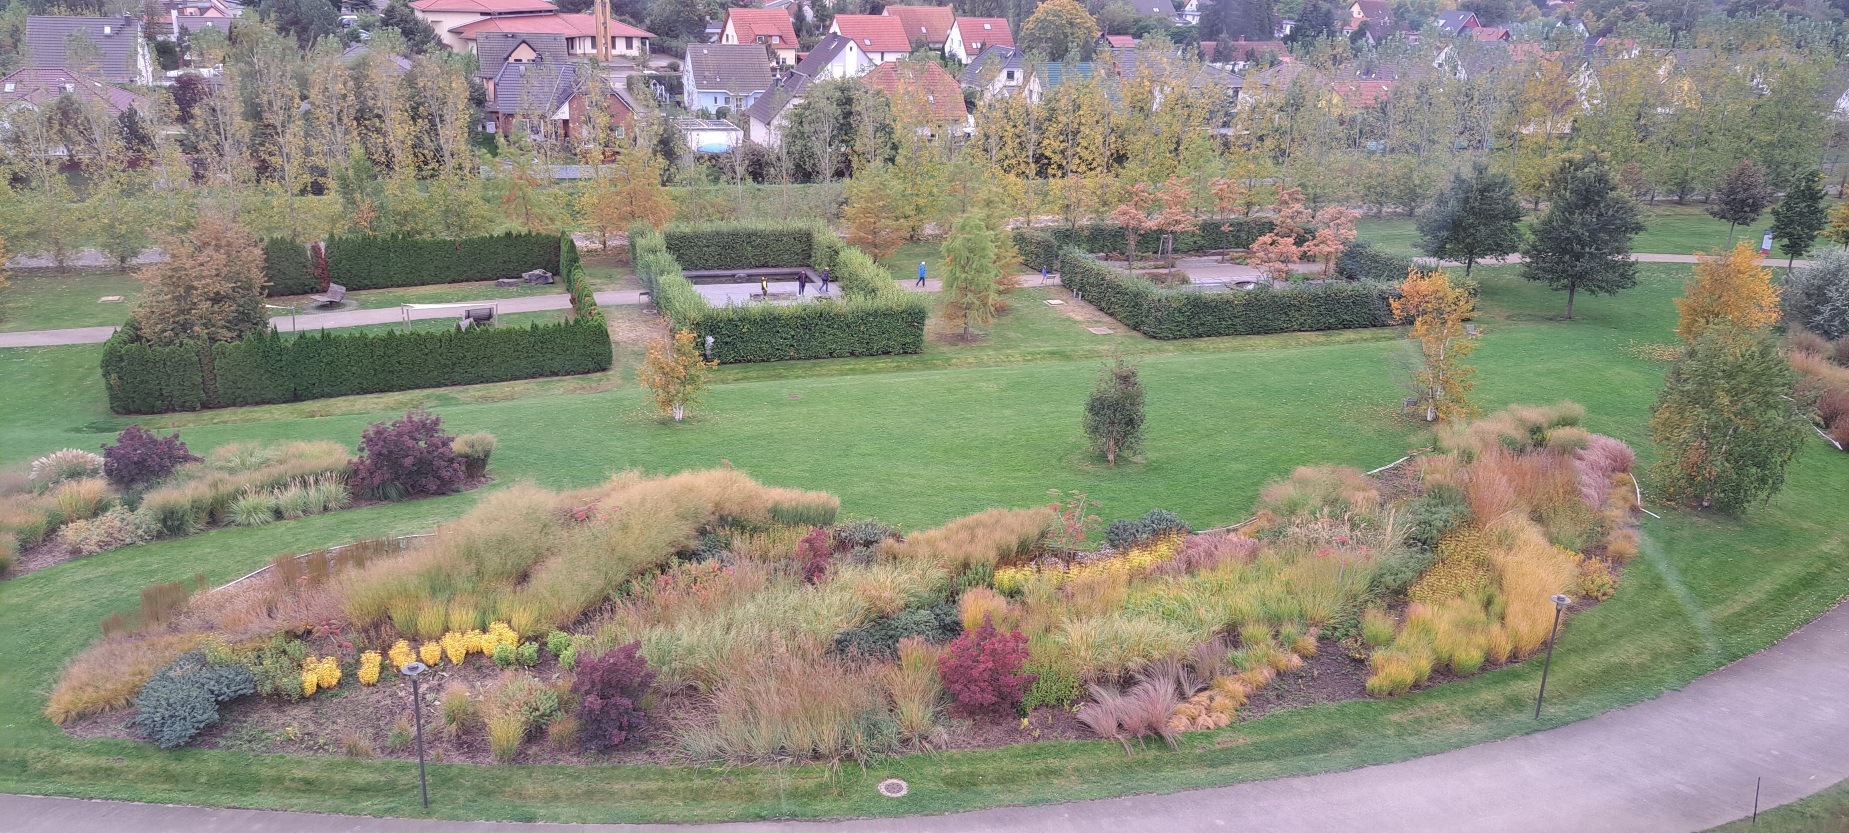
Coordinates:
824 280
921 273
802 281
763 285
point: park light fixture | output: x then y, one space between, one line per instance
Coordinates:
412 669
1560 600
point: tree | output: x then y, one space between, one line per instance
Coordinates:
210 288
304 20
1114 413
1059 30
1135 218
1730 290
1817 296
970 273
1475 219
1437 310
1583 242
526 199
1838 229
1799 218
632 194
1725 425
873 215
1741 197
1335 229
675 374
419 38
1314 23
1274 251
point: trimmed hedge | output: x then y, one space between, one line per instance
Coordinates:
1239 232
287 269
384 262
706 246
1167 314
874 317
268 368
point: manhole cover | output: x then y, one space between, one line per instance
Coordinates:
110 299
1103 331
893 788
1055 302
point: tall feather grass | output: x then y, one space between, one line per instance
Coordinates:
996 536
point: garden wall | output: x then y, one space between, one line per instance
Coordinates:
266 369
874 316
383 262
287 268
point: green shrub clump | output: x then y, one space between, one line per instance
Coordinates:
182 699
751 245
287 269
880 639
474 450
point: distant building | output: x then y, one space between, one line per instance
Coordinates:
724 75
833 57
102 48
535 90
579 30
1457 22
928 25
447 15
881 37
922 92
709 135
770 28
969 36
31 89
997 70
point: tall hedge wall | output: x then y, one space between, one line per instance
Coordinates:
873 317
287 269
142 379
1224 233
704 246
367 262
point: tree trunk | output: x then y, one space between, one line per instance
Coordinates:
1110 450
1571 290
679 411
1730 226
1468 262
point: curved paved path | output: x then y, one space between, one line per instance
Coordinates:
1683 762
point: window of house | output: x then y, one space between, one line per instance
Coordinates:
9 86
629 43
1011 75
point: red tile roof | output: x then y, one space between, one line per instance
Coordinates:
773 24
1490 33
483 7
908 80
928 23
1121 41
974 35
569 25
1362 93
44 86
874 33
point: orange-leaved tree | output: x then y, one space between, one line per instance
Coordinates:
1229 198
1274 252
1134 216
1729 290
1437 310
1335 229
675 374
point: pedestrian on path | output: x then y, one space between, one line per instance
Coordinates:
921 273
763 285
802 282
824 280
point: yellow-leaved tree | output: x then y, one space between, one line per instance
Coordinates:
1437 310
1729 290
675 374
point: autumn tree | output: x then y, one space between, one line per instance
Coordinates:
1230 198
1741 197
1838 229
1476 218
1437 310
1583 241
1799 218
210 288
1059 30
675 374
873 214
1729 290
1114 411
633 193
1725 424
1148 210
526 199
1274 251
1335 229
970 273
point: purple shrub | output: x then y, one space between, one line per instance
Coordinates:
814 551
610 689
409 456
139 457
982 670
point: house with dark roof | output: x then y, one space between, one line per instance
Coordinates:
580 31
1375 13
968 36
447 15
719 75
398 64
997 70
1157 8
109 49
30 88
1452 23
770 28
881 37
534 89
834 56
927 25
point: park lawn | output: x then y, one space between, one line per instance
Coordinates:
440 293
903 264
1826 811
49 299
1394 235
448 321
920 446
1669 229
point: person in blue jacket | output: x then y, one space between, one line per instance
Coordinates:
921 273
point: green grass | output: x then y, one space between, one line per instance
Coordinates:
432 294
922 439
1826 811
47 299
1669 229
450 319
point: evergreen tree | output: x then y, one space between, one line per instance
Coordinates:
969 273
1114 413
1741 197
418 36
1725 425
1475 219
1800 217
1583 242
1317 21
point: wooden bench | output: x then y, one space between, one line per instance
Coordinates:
336 294
476 317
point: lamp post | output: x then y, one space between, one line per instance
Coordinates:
1560 601
417 716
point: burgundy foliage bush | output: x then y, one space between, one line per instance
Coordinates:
814 551
982 670
610 690
409 456
139 457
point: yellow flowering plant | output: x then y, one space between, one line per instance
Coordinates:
369 667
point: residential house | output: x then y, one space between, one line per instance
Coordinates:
969 36
1051 75
1117 43
1376 14
925 25
834 56
1190 14
1490 34
719 75
709 135
881 37
167 17
771 28
1158 8
1456 22
534 88
579 31
116 51
1241 55
997 70
399 64
447 15
30 89
922 93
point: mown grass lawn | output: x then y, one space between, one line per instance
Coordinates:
47 299
1824 812
1669 229
923 439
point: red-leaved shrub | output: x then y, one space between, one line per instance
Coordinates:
610 690
139 457
814 551
1601 458
982 670
409 456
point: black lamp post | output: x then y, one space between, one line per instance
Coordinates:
417 716
1560 601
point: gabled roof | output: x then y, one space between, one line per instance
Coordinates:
1119 41
1158 8
1358 93
39 87
484 7
1248 50
930 24
984 67
979 33
117 38
779 96
1454 22
773 24
874 33
492 49
569 25
734 68
1488 34
943 97
1375 11
1055 73
827 49
533 89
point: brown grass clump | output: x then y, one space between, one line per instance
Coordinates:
1201 553
788 705
1319 492
458 710
914 687
1516 429
979 603
83 499
1801 341
997 536
1596 464
109 674
1531 571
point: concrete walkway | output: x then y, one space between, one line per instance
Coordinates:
1683 762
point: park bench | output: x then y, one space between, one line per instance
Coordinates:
336 294
476 317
